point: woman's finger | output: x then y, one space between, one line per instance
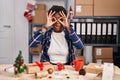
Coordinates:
61 20
47 14
50 13
63 14
54 20
53 13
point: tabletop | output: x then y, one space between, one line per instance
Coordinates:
67 74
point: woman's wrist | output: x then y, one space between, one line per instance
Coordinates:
45 27
68 28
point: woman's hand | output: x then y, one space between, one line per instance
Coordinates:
50 19
64 21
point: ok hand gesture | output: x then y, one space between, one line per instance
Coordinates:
50 19
64 21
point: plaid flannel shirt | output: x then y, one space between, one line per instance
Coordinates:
45 39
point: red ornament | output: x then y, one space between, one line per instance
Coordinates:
71 8
50 77
50 70
21 62
60 66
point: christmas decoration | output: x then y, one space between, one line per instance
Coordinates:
40 65
82 72
19 65
70 13
68 77
29 9
50 70
34 67
49 77
60 66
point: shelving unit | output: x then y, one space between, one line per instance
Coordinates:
100 20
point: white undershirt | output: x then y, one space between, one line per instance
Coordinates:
58 50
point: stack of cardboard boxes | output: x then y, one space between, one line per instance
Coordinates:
103 54
97 8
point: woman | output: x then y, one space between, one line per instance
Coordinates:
57 38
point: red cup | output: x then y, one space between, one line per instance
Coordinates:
78 64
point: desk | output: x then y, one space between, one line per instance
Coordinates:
68 70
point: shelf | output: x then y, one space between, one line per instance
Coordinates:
106 45
97 17
36 25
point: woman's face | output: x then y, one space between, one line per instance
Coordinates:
57 26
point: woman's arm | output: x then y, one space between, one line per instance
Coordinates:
75 39
36 39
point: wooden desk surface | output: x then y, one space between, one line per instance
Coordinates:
5 75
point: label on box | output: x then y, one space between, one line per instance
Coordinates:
78 8
99 52
107 71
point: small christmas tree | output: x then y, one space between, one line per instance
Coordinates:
19 65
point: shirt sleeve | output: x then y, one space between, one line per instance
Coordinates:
36 39
75 39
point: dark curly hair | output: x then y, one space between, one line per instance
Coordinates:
57 9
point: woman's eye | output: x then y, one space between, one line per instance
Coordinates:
53 19
61 19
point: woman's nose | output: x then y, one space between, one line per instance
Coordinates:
57 22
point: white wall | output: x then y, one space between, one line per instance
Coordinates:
50 3
21 29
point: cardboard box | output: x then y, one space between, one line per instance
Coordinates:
102 52
39 17
35 50
83 10
84 2
41 6
103 60
94 68
33 68
106 7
